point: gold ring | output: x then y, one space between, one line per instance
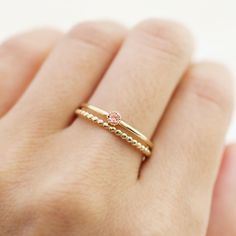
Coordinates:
109 120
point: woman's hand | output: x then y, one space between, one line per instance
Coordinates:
60 176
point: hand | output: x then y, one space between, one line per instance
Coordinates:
60 176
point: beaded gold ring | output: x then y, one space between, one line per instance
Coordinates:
112 122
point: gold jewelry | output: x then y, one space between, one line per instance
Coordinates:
113 119
144 149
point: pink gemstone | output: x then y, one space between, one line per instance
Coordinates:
113 118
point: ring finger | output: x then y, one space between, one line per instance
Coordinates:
139 84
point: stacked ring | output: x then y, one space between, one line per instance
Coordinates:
112 119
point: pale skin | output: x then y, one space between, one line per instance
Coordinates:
65 176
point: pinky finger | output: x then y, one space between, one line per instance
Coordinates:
223 214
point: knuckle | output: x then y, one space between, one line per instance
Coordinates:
103 36
19 45
72 200
213 87
168 38
22 50
58 208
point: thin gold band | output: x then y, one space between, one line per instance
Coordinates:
142 148
121 123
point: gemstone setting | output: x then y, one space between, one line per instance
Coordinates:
113 118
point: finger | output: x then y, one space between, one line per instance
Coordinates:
223 215
20 59
140 82
190 140
68 76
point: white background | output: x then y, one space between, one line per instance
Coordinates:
213 22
